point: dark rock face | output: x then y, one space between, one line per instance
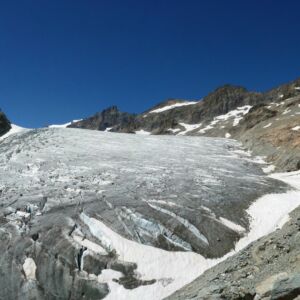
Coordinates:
283 91
4 124
108 118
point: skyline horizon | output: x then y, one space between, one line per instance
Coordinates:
63 59
155 104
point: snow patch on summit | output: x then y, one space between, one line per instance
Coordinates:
64 125
168 107
236 115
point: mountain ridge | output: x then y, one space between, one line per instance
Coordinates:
228 111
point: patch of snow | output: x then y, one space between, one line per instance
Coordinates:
296 128
284 220
189 127
272 209
64 125
259 159
108 275
291 178
208 127
232 225
268 125
29 268
237 114
281 96
286 111
14 129
89 245
142 132
227 135
206 208
269 169
168 203
23 214
168 107
247 155
297 88
108 129
174 130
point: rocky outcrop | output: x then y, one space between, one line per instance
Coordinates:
268 269
5 125
108 119
273 131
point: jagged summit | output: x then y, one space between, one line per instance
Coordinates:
105 120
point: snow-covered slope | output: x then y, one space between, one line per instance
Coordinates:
14 129
171 106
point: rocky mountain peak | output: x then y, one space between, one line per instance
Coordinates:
284 91
110 109
229 88
5 124
106 119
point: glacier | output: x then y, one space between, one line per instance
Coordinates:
69 196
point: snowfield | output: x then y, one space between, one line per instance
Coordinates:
168 107
174 206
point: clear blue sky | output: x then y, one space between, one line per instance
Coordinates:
62 60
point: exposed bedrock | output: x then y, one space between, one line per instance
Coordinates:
5 125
